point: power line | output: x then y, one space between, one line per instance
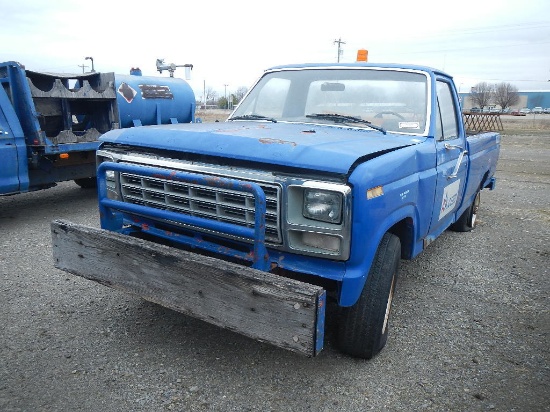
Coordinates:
475 48
504 27
481 30
472 34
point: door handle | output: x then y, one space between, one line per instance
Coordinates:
458 161
452 146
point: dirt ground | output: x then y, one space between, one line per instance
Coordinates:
212 115
469 329
521 125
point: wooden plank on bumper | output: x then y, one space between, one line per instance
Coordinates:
263 306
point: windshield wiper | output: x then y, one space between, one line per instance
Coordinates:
340 118
253 117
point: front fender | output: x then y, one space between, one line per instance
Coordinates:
364 249
403 202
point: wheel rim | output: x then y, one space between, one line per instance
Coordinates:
475 207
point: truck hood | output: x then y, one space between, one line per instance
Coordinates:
332 149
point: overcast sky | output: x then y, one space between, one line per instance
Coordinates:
231 42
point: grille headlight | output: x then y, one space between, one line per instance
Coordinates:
110 179
323 205
110 175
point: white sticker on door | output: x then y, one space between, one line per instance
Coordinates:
450 196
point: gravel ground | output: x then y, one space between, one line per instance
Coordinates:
469 331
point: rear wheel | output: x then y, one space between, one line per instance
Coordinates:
467 221
363 329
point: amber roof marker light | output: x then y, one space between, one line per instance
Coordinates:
362 55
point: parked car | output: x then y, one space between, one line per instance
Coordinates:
537 110
546 110
517 113
475 110
525 110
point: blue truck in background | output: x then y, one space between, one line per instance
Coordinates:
311 192
50 123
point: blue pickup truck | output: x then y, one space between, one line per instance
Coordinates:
317 185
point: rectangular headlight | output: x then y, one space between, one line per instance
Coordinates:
110 178
110 175
323 205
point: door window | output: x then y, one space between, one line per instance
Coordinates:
447 124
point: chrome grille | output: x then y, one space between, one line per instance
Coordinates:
225 205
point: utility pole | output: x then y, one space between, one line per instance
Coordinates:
83 66
340 51
225 96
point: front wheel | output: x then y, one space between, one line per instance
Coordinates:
363 329
467 221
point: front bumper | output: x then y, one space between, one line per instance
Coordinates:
266 307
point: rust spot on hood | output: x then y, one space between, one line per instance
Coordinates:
276 141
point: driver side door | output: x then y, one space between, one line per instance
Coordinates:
9 159
452 159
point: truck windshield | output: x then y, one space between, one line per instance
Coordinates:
392 100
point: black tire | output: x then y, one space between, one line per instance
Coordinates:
363 327
87 182
467 221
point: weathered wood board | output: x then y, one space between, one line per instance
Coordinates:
263 306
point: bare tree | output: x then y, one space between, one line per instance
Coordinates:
239 94
210 95
482 94
506 95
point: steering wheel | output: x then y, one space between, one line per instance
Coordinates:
381 114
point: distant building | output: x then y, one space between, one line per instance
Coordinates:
528 99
